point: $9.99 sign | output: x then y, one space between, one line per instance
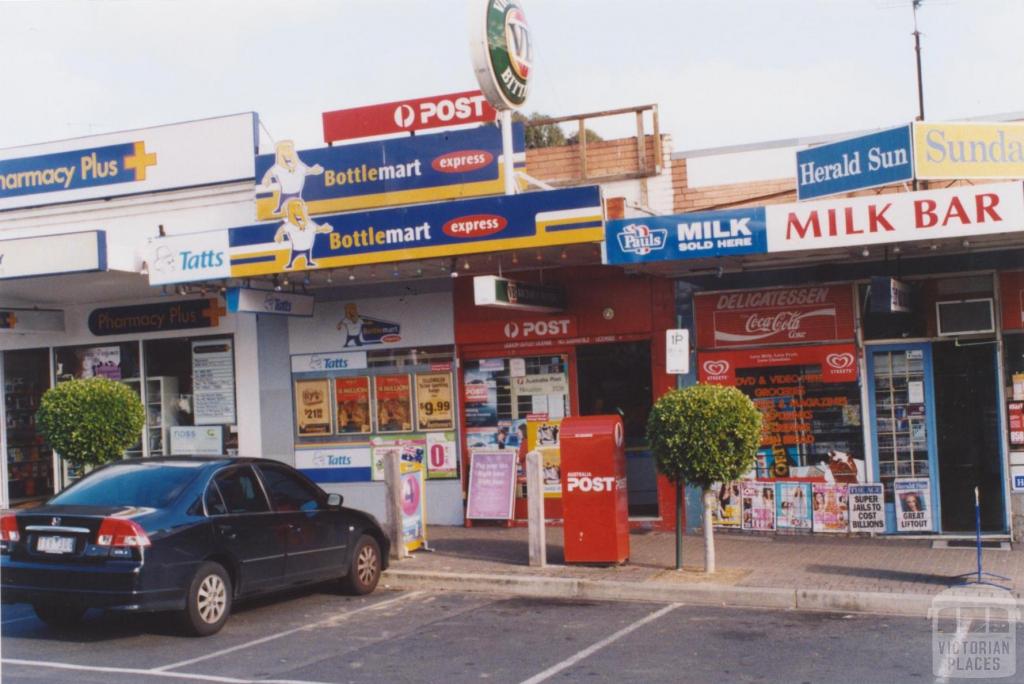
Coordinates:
434 401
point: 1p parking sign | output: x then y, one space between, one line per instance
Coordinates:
677 351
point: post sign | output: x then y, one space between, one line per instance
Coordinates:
424 168
866 161
53 254
404 116
677 351
492 479
969 150
960 212
503 293
502 51
685 236
423 231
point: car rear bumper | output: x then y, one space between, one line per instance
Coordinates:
112 584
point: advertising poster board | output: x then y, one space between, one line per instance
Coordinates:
213 382
352 399
793 510
414 518
101 362
188 440
727 511
434 406
492 477
313 407
442 457
758 505
913 505
542 436
831 508
394 403
867 508
411 452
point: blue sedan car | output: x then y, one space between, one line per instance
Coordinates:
184 534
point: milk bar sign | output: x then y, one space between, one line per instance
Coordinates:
503 293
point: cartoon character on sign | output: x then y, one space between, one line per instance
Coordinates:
353 325
300 231
287 176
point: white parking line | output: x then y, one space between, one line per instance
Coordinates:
572 660
313 625
150 673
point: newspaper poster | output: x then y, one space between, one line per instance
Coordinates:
830 508
913 505
758 505
726 512
793 508
867 508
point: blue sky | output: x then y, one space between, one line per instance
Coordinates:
723 72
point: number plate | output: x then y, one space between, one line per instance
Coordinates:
55 545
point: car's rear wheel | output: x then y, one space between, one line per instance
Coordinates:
364 570
59 616
209 600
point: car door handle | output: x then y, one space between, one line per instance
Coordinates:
227 531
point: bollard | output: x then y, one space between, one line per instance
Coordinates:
535 509
393 484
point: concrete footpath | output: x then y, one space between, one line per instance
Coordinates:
808 572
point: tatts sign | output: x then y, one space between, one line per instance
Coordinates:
961 212
777 316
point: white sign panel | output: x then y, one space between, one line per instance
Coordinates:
545 383
247 300
1017 477
315 363
677 351
332 458
53 254
913 505
960 212
213 382
130 162
867 508
187 258
188 440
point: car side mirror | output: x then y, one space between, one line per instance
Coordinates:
335 500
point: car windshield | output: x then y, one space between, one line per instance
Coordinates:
149 485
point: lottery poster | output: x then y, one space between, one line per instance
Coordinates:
352 397
758 505
313 407
394 403
831 508
793 510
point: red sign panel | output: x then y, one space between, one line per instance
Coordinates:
408 115
1015 410
1011 291
779 316
838 362
520 329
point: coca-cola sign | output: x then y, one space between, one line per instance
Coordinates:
779 316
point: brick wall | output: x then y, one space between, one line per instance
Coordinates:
561 165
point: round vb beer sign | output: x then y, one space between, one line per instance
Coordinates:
502 51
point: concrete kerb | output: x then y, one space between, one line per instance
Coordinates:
879 603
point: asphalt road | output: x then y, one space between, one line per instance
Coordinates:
319 636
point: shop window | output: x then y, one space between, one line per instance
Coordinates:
29 457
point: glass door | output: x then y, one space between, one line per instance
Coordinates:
903 429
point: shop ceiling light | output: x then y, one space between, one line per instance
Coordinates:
465 264
352 274
330 277
277 284
866 252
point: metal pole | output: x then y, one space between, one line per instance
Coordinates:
917 49
507 152
977 527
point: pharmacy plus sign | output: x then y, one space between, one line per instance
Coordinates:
140 160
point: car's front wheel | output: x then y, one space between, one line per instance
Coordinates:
209 600
59 616
364 570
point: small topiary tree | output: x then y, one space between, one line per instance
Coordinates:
90 421
701 435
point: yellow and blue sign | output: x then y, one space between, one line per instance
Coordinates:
969 150
76 169
535 219
686 236
867 161
422 168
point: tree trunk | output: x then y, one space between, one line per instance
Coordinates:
709 531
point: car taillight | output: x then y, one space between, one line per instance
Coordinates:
118 532
9 528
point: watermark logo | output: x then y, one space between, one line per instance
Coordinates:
974 633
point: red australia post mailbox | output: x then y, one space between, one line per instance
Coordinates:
594 502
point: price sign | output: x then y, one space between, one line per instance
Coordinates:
434 406
313 407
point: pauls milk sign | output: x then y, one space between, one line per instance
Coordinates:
960 212
685 236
